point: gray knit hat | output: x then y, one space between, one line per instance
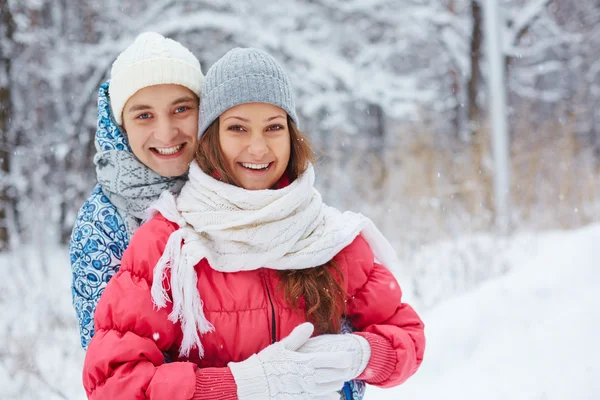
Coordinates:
244 76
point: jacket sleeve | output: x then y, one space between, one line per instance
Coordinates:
375 308
125 357
97 243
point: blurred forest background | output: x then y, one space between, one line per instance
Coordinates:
393 92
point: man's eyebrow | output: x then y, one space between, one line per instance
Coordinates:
139 107
182 100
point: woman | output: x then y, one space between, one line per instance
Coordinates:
146 138
234 276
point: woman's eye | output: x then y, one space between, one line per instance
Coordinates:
237 128
275 127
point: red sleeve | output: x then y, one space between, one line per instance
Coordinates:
375 308
125 357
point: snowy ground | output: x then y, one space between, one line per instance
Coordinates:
531 334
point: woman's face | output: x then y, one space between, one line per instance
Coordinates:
255 141
162 127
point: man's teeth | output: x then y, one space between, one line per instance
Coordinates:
255 166
165 151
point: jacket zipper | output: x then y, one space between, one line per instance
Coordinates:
273 326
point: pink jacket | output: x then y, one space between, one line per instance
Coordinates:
125 358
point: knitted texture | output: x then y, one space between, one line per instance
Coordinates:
383 359
244 76
357 346
241 230
128 183
280 372
214 384
354 389
152 60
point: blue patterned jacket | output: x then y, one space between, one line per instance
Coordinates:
99 236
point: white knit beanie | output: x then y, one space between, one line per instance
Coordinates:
151 60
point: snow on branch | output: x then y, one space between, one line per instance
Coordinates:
524 18
528 92
541 47
531 73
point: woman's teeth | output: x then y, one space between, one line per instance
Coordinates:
255 166
166 151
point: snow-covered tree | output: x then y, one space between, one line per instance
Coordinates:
368 76
6 51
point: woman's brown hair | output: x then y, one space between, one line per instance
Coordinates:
321 288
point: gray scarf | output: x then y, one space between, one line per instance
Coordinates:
130 185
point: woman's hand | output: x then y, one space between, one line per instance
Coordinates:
280 371
356 346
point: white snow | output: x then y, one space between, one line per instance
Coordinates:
530 334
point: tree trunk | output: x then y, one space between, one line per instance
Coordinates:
377 144
456 86
596 136
475 79
6 45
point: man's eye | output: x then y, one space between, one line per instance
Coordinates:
182 109
143 116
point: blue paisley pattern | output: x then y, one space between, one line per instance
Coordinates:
353 390
99 236
99 239
108 134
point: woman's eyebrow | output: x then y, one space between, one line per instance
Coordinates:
274 117
236 117
247 120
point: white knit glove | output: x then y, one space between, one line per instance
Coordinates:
281 372
357 346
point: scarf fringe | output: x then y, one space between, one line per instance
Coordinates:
189 314
183 278
241 235
171 254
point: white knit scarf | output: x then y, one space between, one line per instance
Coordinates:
241 230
